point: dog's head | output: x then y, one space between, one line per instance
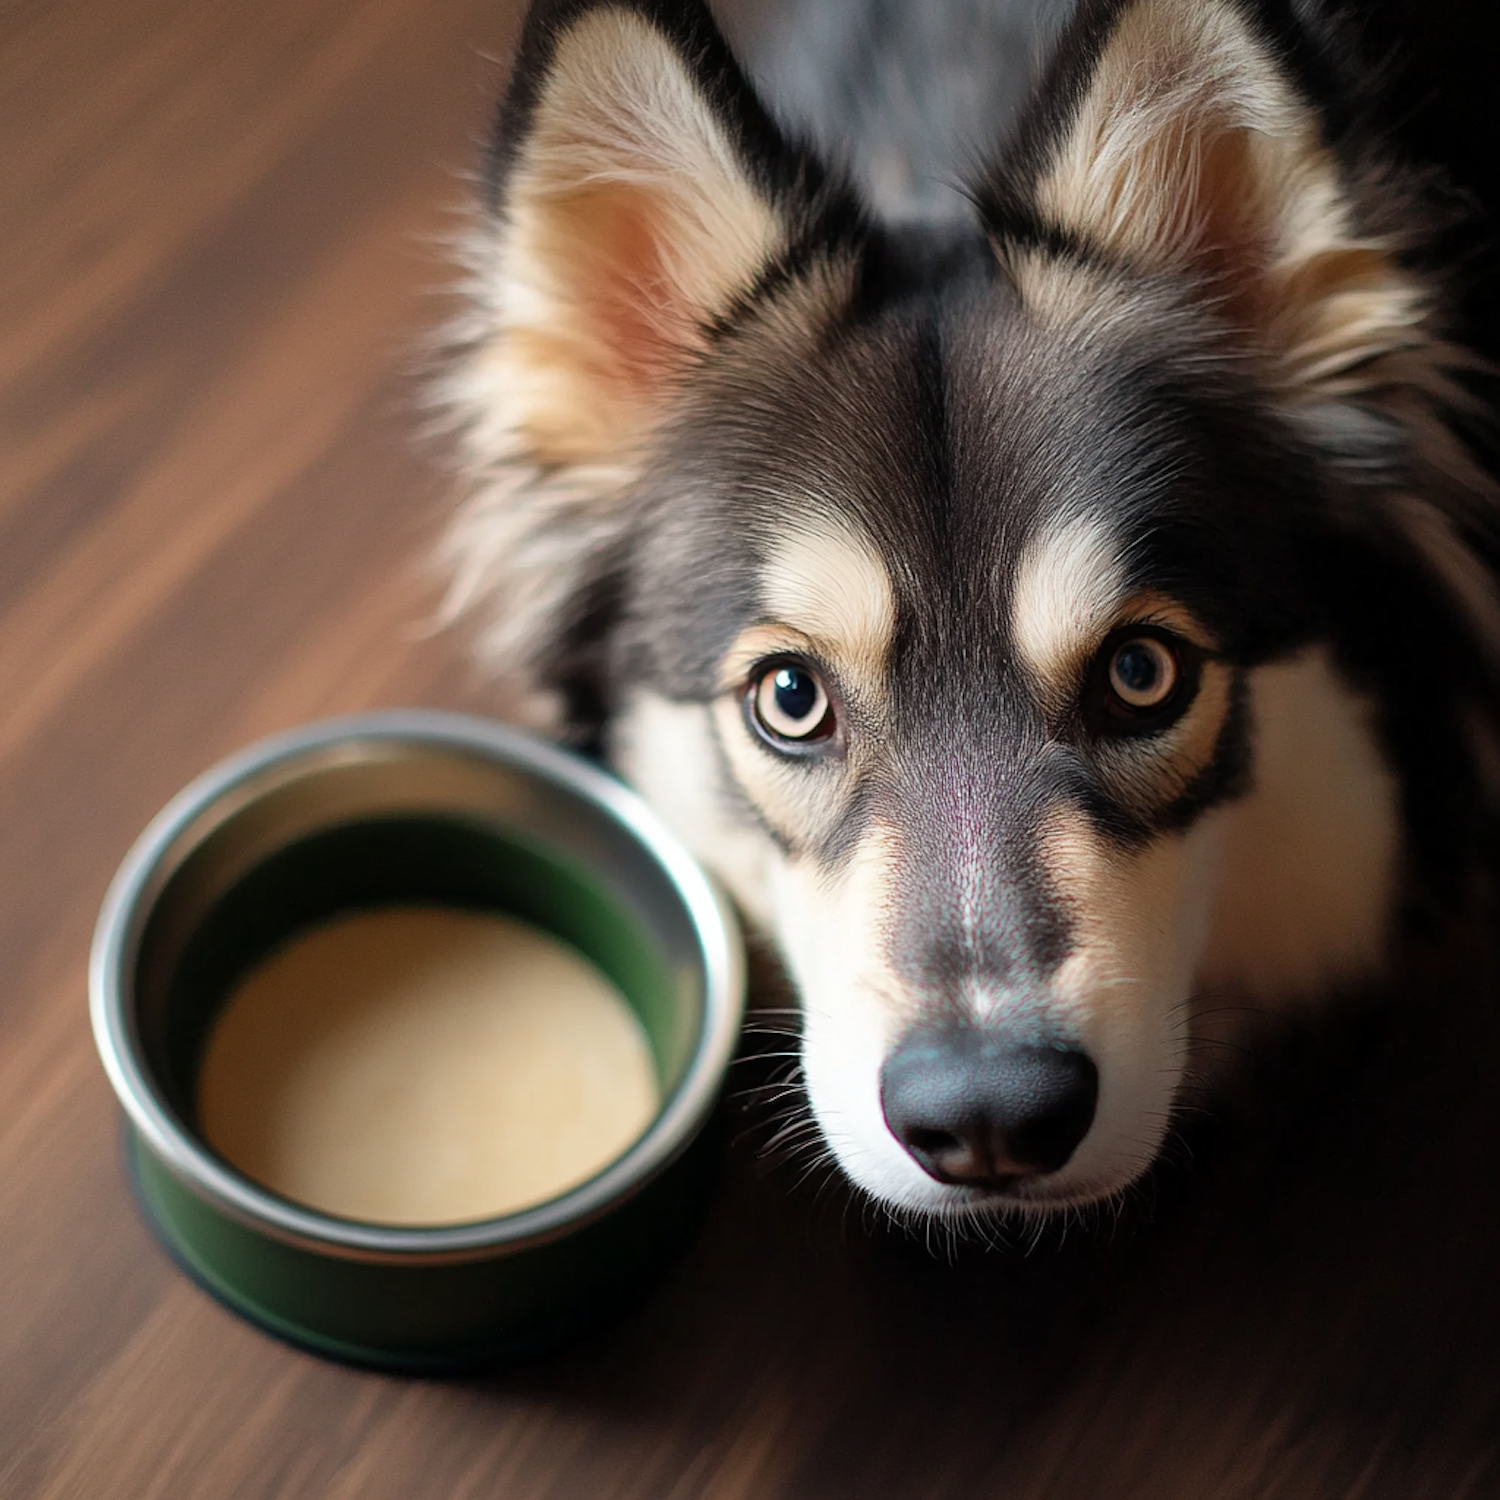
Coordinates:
1064 634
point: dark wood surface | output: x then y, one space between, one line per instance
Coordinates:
220 232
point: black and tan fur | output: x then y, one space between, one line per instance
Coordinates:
1175 369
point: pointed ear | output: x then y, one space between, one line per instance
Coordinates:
1190 148
638 196
640 192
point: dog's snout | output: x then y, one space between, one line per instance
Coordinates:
974 1108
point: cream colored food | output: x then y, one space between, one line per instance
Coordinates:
419 1065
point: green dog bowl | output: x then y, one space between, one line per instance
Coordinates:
389 809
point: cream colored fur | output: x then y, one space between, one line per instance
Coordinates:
828 582
1068 588
669 753
1310 854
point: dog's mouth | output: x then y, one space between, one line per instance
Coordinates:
957 1119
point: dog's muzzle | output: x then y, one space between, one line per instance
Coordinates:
973 1108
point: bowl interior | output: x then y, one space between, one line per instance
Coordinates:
356 825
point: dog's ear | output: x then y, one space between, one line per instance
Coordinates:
641 192
638 194
1178 138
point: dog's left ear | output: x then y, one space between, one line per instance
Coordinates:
1185 145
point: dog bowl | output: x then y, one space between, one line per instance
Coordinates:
437 810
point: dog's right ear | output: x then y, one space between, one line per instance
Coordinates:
638 195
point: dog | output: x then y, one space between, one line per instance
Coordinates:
1058 601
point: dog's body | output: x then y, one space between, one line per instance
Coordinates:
1063 613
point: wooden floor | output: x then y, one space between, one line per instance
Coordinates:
220 231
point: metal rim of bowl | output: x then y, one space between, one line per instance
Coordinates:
122 918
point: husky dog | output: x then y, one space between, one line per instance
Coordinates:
1063 612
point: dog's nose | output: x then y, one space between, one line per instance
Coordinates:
974 1108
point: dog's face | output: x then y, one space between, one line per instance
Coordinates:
969 669
987 610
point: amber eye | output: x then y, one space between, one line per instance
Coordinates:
789 704
1142 680
1143 673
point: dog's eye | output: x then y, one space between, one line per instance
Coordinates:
1142 680
1142 672
789 704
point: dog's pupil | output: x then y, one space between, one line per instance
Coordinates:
1136 668
796 693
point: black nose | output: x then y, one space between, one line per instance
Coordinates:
973 1107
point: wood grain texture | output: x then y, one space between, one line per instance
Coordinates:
218 252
